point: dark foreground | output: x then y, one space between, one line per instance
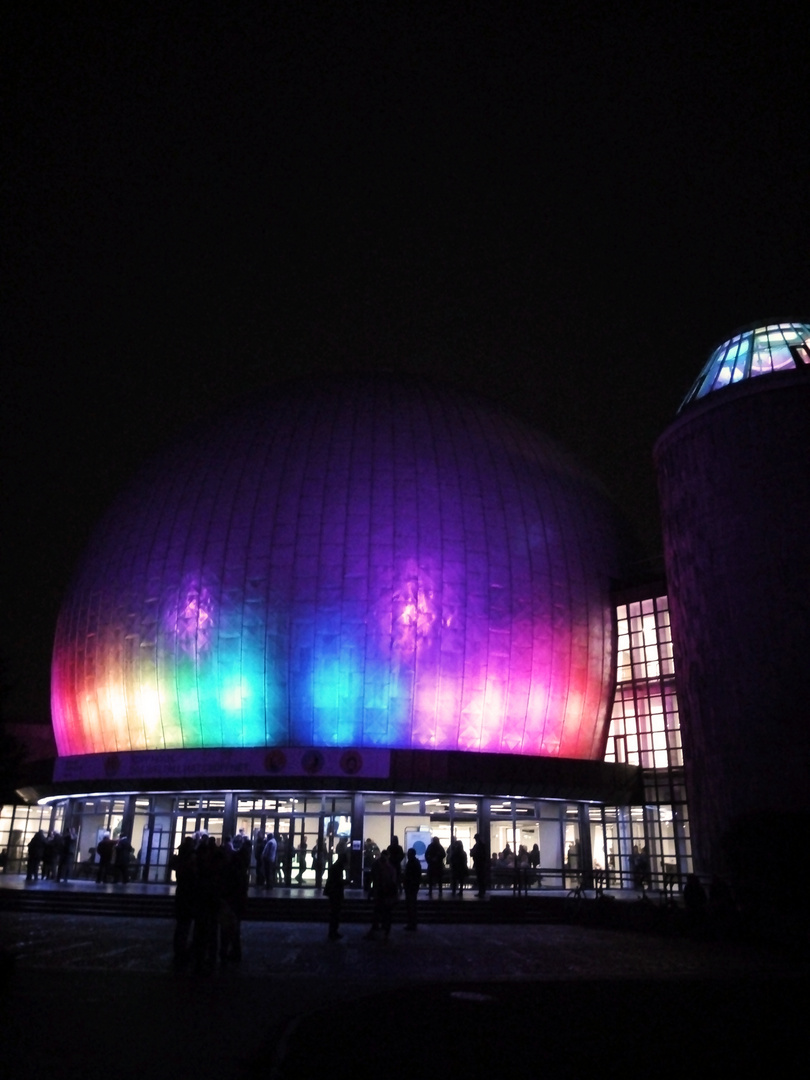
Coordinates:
91 998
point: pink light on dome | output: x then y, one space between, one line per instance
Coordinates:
261 587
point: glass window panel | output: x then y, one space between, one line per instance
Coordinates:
782 358
413 805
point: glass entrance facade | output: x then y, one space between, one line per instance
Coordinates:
534 843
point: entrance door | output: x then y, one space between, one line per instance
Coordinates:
189 824
156 852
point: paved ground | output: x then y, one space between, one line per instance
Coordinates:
95 997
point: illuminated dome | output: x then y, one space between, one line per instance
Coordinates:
371 562
757 351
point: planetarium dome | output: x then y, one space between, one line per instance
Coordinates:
369 562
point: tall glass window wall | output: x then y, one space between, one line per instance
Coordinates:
645 730
19 825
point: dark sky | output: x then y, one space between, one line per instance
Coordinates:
564 211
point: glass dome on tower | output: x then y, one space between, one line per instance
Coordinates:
753 352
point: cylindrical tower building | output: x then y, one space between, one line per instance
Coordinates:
734 479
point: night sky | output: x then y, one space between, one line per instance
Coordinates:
562 207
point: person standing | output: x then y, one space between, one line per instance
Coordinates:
269 860
259 840
480 860
412 879
207 896
520 885
184 866
67 855
458 866
36 852
385 890
104 853
434 857
50 856
232 903
302 860
396 854
335 888
123 851
319 862
534 863
371 853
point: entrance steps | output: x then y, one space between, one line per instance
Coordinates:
157 901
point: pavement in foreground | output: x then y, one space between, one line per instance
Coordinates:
91 997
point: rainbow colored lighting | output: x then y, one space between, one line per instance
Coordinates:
378 563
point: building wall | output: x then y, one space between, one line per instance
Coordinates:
734 478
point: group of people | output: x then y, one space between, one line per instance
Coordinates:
518 870
51 855
210 900
275 856
113 858
390 873
386 874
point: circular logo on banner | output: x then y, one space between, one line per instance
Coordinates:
351 762
312 761
275 760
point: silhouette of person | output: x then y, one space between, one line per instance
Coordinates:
36 852
105 850
385 890
434 856
123 850
371 853
269 858
480 860
335 888
68 854
412 879
396 853
458 867
183 865
302 860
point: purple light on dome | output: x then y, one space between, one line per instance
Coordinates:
190 618
375 563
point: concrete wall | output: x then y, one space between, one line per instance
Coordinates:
734 479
